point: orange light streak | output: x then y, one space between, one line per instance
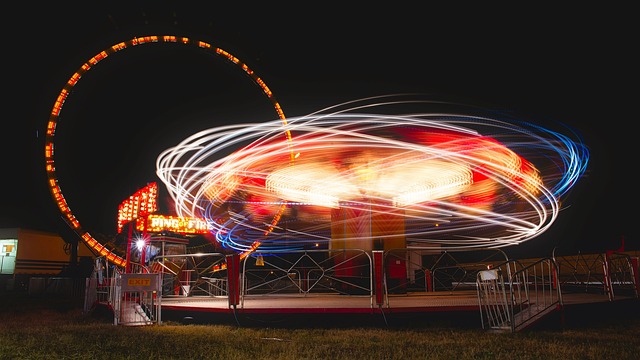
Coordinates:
54 188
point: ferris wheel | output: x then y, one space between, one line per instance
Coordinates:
152 40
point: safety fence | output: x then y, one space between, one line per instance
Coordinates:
134 298
511 293
610 274
518 293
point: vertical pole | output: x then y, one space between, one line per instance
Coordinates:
143 251
607 276
129 236
634 266
233 279
73 263
378 276
427 279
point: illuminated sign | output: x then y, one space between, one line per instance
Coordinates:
140 282
141 203
180 225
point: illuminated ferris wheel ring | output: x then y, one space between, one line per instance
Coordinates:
55 188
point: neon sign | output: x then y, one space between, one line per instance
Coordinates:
140 204
181 225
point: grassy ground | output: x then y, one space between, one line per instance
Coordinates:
56 328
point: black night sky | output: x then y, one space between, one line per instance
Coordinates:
549 65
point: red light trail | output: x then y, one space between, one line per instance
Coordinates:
458 179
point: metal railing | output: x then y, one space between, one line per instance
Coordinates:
531 291
308 271
512 294
136 299
199 274
430 270
304 272
495 312
608 274
133 297
622 276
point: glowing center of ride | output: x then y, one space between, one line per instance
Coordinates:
403 183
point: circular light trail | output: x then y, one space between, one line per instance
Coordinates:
54 187
459 178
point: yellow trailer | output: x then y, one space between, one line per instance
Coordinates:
31 253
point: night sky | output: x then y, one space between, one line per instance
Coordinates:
572 66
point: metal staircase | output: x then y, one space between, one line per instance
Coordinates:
530 292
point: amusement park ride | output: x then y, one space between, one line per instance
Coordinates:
443 179
373 191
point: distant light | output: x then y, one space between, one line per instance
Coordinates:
140 244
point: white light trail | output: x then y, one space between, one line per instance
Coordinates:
460 179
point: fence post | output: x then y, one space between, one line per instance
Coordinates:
233 279
378 276
636 276
607 276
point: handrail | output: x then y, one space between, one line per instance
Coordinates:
531 291
534 290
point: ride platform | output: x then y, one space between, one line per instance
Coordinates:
421 309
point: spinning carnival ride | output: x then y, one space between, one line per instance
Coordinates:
351 180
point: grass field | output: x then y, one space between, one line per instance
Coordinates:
56 328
